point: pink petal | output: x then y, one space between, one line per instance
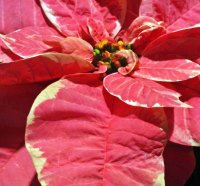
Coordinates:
71 18
175 14
185 124
97 30
141 32
30 41
180 44
118 8
15 103
95 76
169 70
189 88
16 167
17 14
179 164
48 66
15 164
78 47
141 92
131 58
132 12
98 140
6 56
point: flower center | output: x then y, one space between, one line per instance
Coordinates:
105 54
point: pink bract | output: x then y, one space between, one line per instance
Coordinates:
95 141
15 163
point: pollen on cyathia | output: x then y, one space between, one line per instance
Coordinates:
104 54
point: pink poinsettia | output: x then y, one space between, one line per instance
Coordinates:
80 133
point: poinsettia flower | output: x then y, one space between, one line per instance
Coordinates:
117 51
30 50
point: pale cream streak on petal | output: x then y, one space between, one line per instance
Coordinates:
194 143
135 103
160 181
181 68
117 28
61 27
152 90
38 161
36 153
185 136
52 92
187 131
49 14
